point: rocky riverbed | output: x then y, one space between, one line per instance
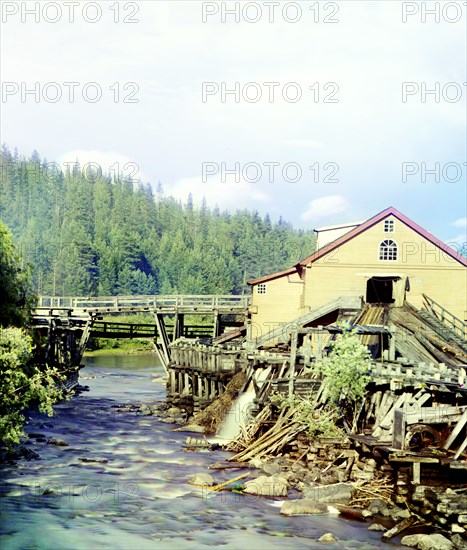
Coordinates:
108 474
324 484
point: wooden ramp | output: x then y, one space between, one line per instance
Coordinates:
420 339
282 332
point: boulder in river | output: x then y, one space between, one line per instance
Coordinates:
145 410
57 442
328 538
267 486
203 479
22 452
302 506
376 527
459 542
195 428
428 542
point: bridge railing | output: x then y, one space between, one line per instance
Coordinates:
157 302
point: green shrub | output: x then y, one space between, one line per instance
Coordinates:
22 384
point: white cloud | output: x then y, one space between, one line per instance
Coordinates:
461 222
230 194
325 207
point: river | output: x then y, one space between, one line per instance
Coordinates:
135 496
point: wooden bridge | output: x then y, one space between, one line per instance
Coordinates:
67 322
168 304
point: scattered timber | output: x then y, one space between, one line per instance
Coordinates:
410 432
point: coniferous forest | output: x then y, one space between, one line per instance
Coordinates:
86 234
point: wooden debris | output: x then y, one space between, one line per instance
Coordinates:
275 439
377 488
224 466
227 483
250 433
397 529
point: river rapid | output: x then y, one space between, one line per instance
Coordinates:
121 483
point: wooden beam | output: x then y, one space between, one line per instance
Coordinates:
293 358
416 473
460 450
162 332
398 437
456 431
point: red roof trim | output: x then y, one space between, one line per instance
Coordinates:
272 276
374 220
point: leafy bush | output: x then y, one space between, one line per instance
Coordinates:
344 373
22 385
345 369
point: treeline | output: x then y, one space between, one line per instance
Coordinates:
84 233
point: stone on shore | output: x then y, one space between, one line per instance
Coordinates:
271 468
459 542
303 506
267 486
337 492
202 479
427 542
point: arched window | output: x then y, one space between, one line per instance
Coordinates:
388 250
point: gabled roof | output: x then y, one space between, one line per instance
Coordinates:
357 231
373 221
334 227
272 276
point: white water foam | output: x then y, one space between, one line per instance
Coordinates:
237 415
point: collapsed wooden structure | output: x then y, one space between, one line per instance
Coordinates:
415 413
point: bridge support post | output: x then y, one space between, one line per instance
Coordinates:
180 383
173 382
217 324
179 326
164 340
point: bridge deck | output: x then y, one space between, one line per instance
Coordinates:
189 304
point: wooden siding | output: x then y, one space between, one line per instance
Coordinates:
281 303
346 270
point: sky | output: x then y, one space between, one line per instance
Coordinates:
319 112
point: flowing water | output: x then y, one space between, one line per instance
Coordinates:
237 417
130 491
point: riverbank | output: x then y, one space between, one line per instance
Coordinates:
103 352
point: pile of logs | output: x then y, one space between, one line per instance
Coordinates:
273 441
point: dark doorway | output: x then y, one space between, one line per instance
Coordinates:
379 290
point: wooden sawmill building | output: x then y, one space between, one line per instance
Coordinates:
386 259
